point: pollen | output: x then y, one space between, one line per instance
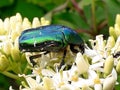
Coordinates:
61 84
74 78
97 80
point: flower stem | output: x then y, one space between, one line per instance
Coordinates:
8 74
93 17
26 69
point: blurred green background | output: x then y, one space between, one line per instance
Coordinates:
88 17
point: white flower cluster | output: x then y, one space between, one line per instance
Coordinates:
97 69
81 76
12 61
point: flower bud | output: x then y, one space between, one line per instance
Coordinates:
18 18
112 32
15 54
7 47
117 30
26 24
109 83
117 19
14 35
108 65
2 31
80 62
44 22
16 43
48 83
110 42
116 46
118 67
35 22
100 44
4 63
13 23
7 24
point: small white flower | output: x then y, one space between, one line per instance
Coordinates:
109 83
80 62
117 46
96 69
98 87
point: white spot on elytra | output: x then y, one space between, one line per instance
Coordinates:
34 43
40 33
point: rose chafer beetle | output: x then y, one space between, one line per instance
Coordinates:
50 38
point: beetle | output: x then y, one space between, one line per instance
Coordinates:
50 38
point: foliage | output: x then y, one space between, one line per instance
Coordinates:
91 17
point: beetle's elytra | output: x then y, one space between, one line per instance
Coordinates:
50 38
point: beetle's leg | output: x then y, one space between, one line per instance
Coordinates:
34 57
116 55
81 47
72 49
62 61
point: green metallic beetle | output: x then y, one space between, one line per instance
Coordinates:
50 38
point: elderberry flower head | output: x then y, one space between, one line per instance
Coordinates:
97 69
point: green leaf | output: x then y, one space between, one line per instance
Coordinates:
72 18
83 3
47 4
100 11
4 3
4 82
117 87
113 8
28 10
